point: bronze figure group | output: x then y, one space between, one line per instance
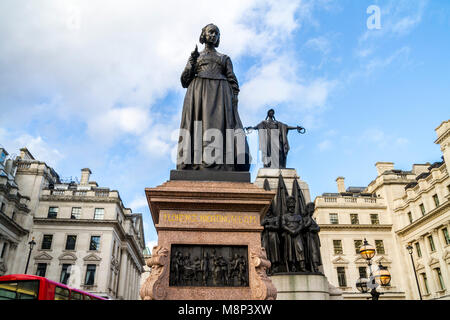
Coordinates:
290 234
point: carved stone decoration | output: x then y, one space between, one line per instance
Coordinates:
208 266
154 287
263 289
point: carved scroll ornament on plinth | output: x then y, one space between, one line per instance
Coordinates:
263 289
155 287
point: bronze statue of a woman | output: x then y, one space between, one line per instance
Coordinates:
210 115
273 137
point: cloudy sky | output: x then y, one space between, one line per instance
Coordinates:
97 83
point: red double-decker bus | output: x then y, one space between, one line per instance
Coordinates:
26 287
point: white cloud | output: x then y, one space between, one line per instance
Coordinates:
277 82
324 145
38 146
107 63
381 139
139 202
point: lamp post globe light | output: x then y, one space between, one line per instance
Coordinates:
409 247
32 243
381 277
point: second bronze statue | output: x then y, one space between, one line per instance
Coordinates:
273 141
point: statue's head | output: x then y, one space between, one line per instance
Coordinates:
310 207
290 204
270 114
210 34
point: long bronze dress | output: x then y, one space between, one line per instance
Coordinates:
209 99
267 142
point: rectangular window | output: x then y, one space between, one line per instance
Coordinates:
65 273
431 242
95 243
358 244
47 241
76 296
436 200
446 236
99 213
374 219
379 245
41 269
440 279
76 213
334 218
425 283
70 243
354 218
418 251
341 277
422 209
337 245
410 218
61 293
2 208
362 272
52 212
90 274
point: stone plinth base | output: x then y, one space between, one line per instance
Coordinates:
194 217
304 287
289 175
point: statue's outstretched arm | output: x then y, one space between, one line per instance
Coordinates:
299 129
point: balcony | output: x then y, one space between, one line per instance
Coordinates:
327 201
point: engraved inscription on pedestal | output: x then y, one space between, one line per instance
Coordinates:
208 266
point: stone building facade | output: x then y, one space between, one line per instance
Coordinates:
396 209
15 219
85 237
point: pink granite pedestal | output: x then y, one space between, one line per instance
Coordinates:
208 213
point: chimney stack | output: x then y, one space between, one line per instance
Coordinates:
383 167
340 184
85 174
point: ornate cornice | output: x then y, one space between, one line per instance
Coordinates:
433 214
12 225
72 198
359 227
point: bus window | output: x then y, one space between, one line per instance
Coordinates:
22 290
76 296
61 293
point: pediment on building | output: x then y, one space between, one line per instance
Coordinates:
419 266
446 256
92 258
67 256
340 260
433 261
43 256
383 260
360 260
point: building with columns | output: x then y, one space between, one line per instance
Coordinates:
398 208
85 236
15 219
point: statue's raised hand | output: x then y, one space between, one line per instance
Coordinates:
301 130
194 56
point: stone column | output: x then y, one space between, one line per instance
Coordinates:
440 252
122 274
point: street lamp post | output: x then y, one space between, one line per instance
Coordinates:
410 251
381 277
31 244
